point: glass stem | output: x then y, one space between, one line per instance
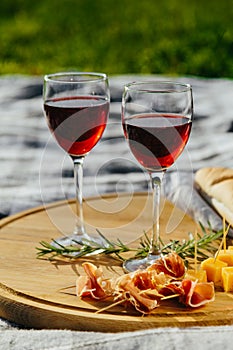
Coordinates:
78 178
156 180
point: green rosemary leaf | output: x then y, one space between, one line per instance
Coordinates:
104 238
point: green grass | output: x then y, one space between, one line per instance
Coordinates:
175 37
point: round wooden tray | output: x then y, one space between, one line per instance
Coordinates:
41 294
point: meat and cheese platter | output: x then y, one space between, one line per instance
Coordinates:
43 293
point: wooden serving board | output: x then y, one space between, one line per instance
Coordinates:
40 294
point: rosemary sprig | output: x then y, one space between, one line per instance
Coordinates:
186 249
205 245
82 248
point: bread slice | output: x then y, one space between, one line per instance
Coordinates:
216 186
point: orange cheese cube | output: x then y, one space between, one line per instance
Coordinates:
227 278
199 275
226 256
213 270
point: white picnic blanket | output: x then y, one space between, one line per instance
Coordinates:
194 338
35 171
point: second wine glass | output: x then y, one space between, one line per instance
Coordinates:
157 119
76 107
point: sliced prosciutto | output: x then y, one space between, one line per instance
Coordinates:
145 289
197 294
171 264
127 289
93 285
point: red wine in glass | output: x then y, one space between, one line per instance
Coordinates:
76 106
156 140
157 120
77 122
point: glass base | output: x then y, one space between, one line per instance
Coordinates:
132 265
75 238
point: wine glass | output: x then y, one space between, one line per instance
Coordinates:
76 106
157 119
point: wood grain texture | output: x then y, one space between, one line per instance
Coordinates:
40 294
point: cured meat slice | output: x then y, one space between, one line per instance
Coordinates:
197 294
93 285
171 264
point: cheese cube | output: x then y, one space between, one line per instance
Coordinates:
226 256
213 270
230 247
227 278
194 275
